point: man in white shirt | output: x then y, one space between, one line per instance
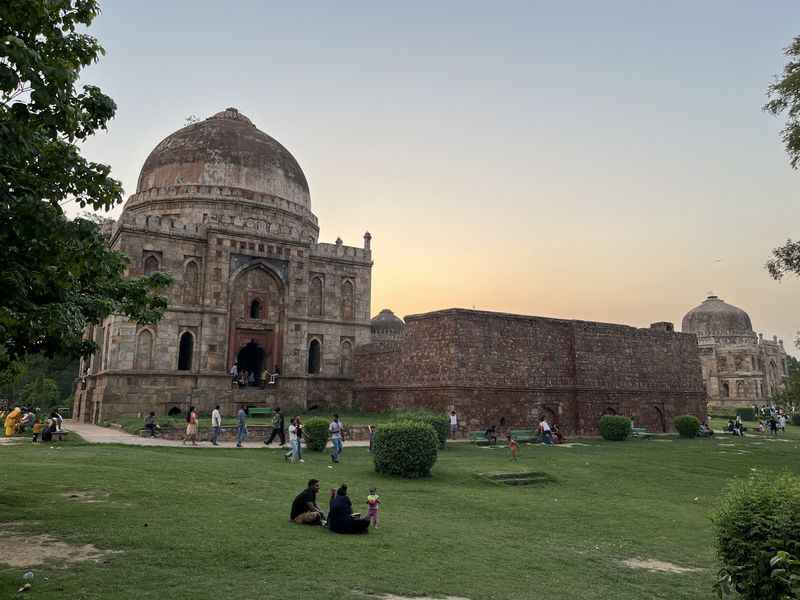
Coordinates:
453 424
544 429
336 438
216 425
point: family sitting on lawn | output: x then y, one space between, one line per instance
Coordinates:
341 518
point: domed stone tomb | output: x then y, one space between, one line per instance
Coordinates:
225 209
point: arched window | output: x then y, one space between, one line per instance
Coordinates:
346 359
726 390
150 265
348 300
315 297
255 309
144 350
313 357
185 352
740 389
190 283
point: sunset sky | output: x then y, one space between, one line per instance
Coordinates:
600 161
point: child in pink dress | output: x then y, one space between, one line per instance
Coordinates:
373 504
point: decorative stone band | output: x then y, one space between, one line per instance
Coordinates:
208 192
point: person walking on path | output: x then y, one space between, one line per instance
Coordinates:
277 428
216 425
336 438
241 429
191 427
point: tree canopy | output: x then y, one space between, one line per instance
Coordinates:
784 98
56 275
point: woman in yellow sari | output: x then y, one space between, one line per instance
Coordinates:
12 420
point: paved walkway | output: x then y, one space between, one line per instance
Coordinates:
108 435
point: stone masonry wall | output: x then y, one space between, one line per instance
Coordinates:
492 366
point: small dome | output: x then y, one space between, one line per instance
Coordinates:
715 317
387 321
225 150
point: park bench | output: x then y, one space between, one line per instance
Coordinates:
478 437
524 435
640 432
255 411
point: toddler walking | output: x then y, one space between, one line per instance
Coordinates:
514 446
373 504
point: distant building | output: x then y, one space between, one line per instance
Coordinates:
387 326
740 368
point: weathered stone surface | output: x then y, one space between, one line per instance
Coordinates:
740 368
224 209
495 368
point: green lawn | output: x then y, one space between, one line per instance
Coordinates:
213 523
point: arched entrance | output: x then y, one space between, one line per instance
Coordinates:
251 359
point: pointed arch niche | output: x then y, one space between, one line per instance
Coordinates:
257 312
144 350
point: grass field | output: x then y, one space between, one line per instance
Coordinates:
213 523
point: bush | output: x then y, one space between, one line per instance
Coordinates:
796 419
440 423
405 448
756 519
687 426
746 414
615 428
315 432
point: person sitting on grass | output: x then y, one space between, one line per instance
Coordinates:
341 518
558 437
304 507
37 430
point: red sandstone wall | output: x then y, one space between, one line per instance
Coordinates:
494 366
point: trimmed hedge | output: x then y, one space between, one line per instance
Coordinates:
757 518
687 426
315 432
405 448
796 419
746 414
440 423
615 428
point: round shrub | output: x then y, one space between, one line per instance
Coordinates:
687 426
315 432
440 423
615 428
746 413
796 419
405 448
757 518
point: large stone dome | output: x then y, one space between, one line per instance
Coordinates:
715 317
225 150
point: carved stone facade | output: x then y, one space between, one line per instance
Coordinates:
509 370
225 210
740 368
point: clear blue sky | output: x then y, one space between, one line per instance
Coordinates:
604 161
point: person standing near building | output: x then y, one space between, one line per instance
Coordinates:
216 425
277 428
336 438
453 424
241 428
545 431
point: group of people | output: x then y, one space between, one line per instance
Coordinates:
244 377
279 430
21 419
340 517
548 434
